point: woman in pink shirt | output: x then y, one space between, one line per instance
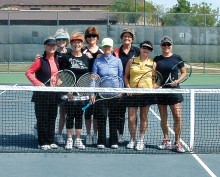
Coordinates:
46 103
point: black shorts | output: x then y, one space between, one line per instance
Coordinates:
140 100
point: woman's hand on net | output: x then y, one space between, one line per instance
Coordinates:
92 99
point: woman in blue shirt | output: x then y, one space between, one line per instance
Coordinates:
107 65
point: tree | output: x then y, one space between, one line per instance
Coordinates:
133 14
183 14
178 15
203 15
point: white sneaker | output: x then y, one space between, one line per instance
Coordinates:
140 145
44 147
166 144
95 139
89 140
114 146
120 138
60 139
69 144
35 132
53 146
101 146
131 144
179 148
78 144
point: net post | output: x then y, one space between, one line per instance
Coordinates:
192 118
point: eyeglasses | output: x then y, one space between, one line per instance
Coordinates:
146 47
91 35
61 39
166 44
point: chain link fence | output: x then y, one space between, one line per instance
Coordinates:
23 33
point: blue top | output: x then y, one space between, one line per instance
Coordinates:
108 66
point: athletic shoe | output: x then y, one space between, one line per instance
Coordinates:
35 132
60 139
89 140
120 138
114 146
140 145
78 144
166 144
95 139
178 148
101 146
69 144
53 146
44 147
131 144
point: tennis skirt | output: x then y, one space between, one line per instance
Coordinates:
141 100
170 99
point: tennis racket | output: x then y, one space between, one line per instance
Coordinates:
150 79
175 73
108 82
62 78
88 80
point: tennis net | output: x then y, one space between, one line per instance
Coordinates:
200 120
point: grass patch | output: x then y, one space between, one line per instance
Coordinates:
14 67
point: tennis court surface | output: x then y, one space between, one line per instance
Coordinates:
200 138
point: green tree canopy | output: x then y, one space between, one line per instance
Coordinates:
181 14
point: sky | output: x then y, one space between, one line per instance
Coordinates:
171 3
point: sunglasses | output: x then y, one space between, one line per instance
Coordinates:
166 44
51 45
91 35
61 39
146 47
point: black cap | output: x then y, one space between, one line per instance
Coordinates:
50 41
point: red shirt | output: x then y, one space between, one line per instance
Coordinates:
35 66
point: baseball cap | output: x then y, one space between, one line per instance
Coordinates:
107 42
128 30
166 39
49 41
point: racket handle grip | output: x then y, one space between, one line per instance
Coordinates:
86 106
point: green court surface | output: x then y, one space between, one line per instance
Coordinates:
195 79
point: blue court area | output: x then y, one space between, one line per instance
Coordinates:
108 165
21 157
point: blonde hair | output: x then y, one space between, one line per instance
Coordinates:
77 36
62 33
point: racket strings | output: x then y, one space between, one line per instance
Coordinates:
88 80
157 78
175 73
66 78
148 79
111 82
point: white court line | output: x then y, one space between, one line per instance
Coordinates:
6 90
207 169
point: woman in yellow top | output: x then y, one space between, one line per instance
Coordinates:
134 71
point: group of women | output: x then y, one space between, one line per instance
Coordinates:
129 63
